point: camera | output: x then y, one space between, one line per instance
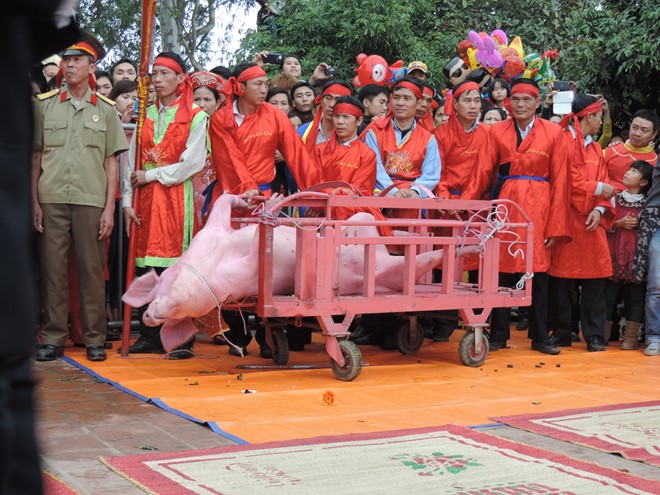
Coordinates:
274 58
330 71
561 86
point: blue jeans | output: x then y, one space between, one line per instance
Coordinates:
653 291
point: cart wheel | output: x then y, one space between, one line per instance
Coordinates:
467 353
353 362
280 346
409 336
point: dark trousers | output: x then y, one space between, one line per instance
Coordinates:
150 334
593 307
633 299
20 472
500 330
239 331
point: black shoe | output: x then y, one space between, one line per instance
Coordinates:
554 341
575 337
219 339
112 336
184 351
143 346
496 345
545 348
96 353
265 352
49 352
389 341
363 336
442 335
523 324
235 352
596 344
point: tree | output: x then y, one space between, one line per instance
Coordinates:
182 26
606 46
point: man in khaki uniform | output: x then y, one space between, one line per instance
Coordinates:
74 174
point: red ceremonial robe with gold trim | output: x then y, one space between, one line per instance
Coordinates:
459 154
541 154
618 159
402 162
167 212
354 164
244 157
587 254
460 158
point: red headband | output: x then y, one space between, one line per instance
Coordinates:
349 109
464 88
525 89
169 63
409 86
251 73
233 87
333 89
595 107
428 91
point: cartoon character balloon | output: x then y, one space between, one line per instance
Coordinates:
486 54
374 69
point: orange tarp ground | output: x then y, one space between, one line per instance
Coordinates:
393 392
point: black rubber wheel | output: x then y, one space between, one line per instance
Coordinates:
353 362
409 336
280 346
466 351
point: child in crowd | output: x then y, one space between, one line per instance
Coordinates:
498 93
622 240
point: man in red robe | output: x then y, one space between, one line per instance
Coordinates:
247 133
408 163
244 137
460 142
425 107
644 130
586 257
320 129
345 158
173 150
406 154
529 156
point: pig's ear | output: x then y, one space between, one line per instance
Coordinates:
142 291
177 332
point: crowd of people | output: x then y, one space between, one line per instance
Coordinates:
591 195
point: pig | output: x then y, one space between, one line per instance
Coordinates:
222 263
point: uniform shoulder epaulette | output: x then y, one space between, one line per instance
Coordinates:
49 94
106 99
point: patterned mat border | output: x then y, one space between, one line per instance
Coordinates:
134 470
526 422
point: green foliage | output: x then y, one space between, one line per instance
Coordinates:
115 25
607 46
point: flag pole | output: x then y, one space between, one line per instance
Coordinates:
148 18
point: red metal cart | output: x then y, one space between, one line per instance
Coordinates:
319 243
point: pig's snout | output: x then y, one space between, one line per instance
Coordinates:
149 318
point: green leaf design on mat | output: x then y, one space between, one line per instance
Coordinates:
436 463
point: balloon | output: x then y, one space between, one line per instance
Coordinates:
373 69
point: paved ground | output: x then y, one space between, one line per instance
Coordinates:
81 419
